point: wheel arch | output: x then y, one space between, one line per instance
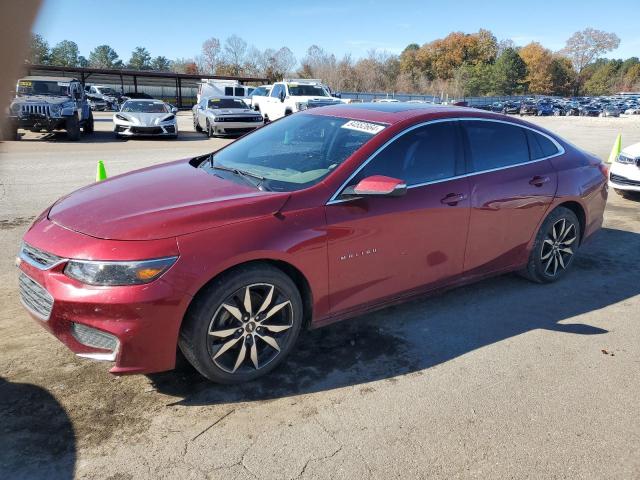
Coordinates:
298 278
579 211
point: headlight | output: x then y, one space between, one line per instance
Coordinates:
169 118
624 159
216 119
122 117
118 273
55 110
301 106
15 108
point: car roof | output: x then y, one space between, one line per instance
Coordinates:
393 113
49 79
145 100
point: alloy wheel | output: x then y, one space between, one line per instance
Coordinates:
249 329
557 247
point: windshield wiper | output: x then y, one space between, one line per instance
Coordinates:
248 176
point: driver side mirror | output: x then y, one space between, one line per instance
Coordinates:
377 186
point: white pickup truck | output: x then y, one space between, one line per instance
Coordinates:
290 96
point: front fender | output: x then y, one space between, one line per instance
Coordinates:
297 238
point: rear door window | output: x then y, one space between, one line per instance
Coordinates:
540 146
495 145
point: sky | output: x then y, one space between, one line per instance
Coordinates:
177 29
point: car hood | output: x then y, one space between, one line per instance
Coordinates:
143 119
160 202
233 111
39 99
632 150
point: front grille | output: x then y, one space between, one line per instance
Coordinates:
36 110
35 297
238 130
620 180
38 258
146 130
251 118
92 337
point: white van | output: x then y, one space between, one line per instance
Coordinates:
223 88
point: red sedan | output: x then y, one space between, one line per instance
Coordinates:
319 216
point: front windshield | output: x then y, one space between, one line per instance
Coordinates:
297 151
42 87
307 90
145 107
107 91
226 103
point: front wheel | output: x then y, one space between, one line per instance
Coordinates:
73 128
88 125
554 247
243 325
196 124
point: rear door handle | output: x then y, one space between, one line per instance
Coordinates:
538 181
453 199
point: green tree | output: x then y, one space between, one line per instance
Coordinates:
563 76
103 56
602 79
140 59
65 54
38 50
161 64
509 73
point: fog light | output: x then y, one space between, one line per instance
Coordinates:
92 337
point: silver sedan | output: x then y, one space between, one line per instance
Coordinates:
145 118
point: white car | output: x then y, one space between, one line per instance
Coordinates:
291 96
624 174
219 116
145 118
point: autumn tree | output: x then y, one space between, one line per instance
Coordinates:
103 56
65 54
538 60
588 45
211 52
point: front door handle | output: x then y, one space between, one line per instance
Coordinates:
453 199
538 181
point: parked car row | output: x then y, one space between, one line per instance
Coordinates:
576 106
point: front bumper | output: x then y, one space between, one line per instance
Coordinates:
139 131
234 128
625 177
38 122
136 327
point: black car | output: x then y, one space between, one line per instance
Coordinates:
511 107
589 111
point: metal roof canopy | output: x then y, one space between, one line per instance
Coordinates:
149 77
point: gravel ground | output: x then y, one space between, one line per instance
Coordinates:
500 379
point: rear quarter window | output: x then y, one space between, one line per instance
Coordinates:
540 146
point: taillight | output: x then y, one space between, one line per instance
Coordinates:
604 169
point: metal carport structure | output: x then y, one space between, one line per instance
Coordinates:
134 78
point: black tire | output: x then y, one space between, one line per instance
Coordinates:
88 125
73 128
544 255
209 130
196 124
207 314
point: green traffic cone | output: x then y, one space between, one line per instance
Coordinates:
615 151
101 172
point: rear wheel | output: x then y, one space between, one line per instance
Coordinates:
555 246
243 325
73 128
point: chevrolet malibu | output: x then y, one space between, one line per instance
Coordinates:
317 217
